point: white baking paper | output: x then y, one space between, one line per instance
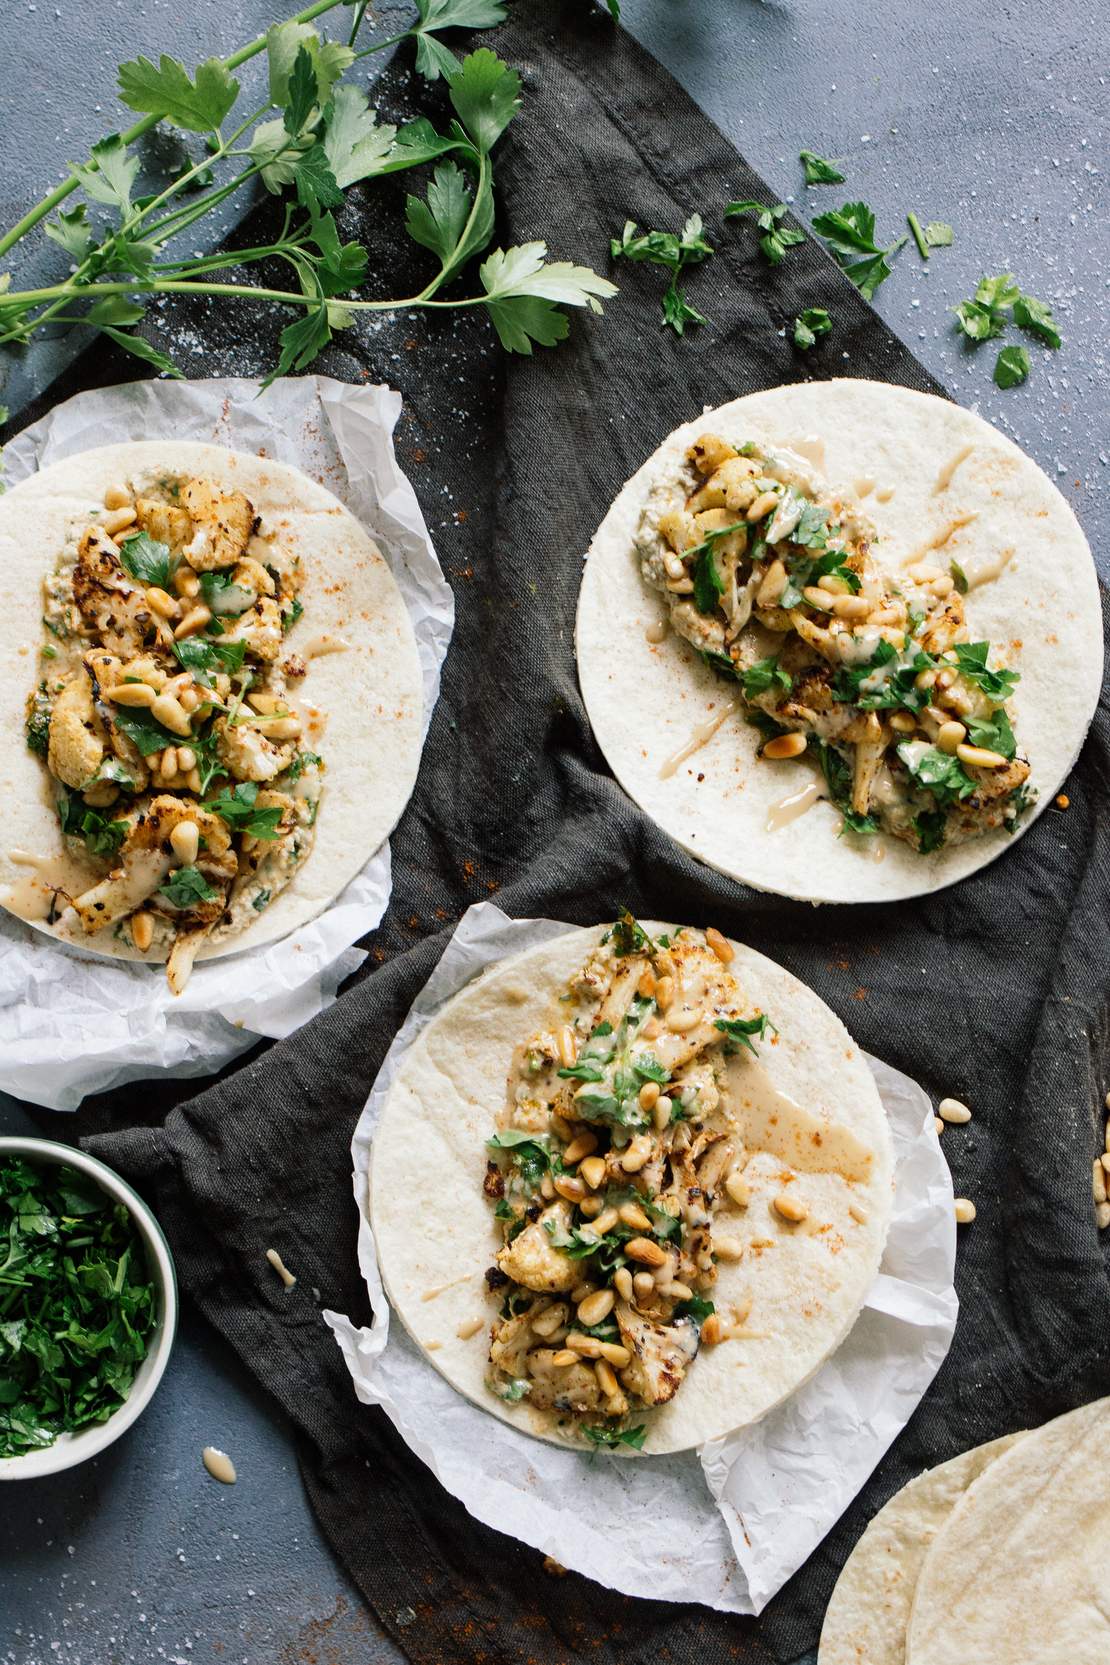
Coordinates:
72 1023
728 1524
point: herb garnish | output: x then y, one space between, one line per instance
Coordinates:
971 658
850 232
1011 367
145 731
818 170
102 836
777 238
77 1306
838 778
238 808
610 1438
672 251
187 886
205 657
938 772
808 325
528 1151
742 1029
145 559
763 675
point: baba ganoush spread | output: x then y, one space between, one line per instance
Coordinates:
772 578
163 718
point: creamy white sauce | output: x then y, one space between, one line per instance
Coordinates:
944 478
469 1327
985 571
772 1121
864 485
796 804
219 1465
700 737
884 494
656 631
442 1288
811 447
323 644
857 649
939 539
280 1268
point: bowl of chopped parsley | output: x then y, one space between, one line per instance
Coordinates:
88 1307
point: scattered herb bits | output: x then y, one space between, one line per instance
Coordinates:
672 250
849 232
1011 367
811 323
77 1305
818 170
776 238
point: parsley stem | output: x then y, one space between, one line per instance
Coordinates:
137 129
918 235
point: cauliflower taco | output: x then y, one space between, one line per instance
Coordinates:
669 1176
212 696
841 640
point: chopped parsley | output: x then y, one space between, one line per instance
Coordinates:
222 595
994 733
144 730
147 560
764 675
819 171
940 773
238 807
528 1151
1011 367
303 761
742 1029
850 234
672 250
930 827
628 937
186 887
609 1438
102 837
808 325
260 901
38 724
1036 317
958 576
972 660
776 238
696 1308
205 657
838 778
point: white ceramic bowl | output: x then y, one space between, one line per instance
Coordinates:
70 1449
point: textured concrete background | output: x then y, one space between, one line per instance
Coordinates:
973 112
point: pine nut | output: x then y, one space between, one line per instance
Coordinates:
590 1207
965 1211
283 728
1102 1216
633 1215
588 1346
851 606
167 762
945 677
579 1147
941 586
622 1283
680 1020
185 840
190 699
569 1187
774 582
613 1353
763 505
711 1330
131 693
643 1250
186 583
117 497
833 585
902 722
661 1114
550 1320
790 1208
568 1050
1107 1138
817 598
606 1379
1098 1182
547 1190
1106 1101
581 1290
949 735
186 759
720 945
645 988
951 1110
592 1170
605 1221
643 1286
193 781
738 1189
267 704
195 619
859 1215
116 519
1105 1160
953 699
563 1358
162 604
595 1308
637 1154
742 1310
672 565
728 1248
924 679
664 992
978 757
680 586
169 711
561 1127
649 1095
142 930
785 745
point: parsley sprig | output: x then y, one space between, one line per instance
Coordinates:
674 251
313 138
850 234
776 239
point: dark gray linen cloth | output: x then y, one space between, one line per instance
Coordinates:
995 991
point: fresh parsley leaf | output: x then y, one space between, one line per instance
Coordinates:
848 678
528 1151
284 44
301 93
237 807
777 239
110 173
978 323
628 937
808 325
439 223
1036 317
709 586
432 57
260 901
674 251
142 729
356 144
301 342
72 231
818 170
971 658
811 530
303 761
223 596
958 576
138 348
742 1029
938 772
485 93
610 1438
38 724
197 105
146 559
997 294
764 675
524 292
186 887
994 732
719 663
850 232
838 778
314 181
1011 367
102 836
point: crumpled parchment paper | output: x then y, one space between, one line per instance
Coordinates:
72 1023
742 1513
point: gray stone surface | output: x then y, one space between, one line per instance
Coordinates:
972 112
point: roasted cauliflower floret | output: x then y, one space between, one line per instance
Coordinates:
145 858
111 606
164 521
561 1387
531 1258
661 1354
104 671
222 525
260 627
77 740
247 754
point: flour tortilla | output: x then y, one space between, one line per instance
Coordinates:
1018 1573
1042 616
866 1620
368 697
434 1229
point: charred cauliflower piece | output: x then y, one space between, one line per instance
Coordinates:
104 671
572 1388
77 741
247 754
146 857
661 1354
532 1260
164 521
222 525
260 627
512 1338
111 606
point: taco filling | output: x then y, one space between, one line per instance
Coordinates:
771 577
162 716
618 1147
